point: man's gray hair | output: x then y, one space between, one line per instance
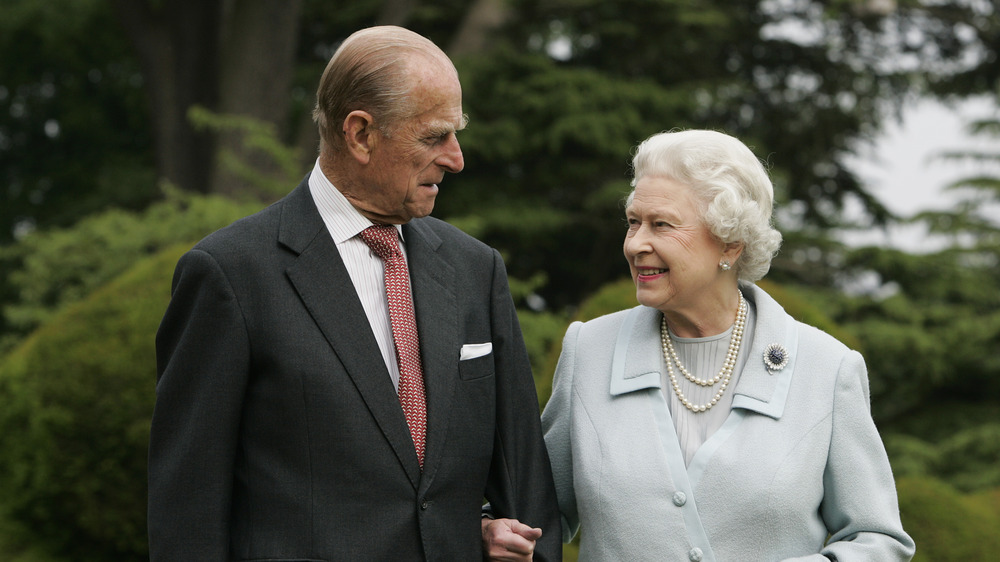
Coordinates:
370 71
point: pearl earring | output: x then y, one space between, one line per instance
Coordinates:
724 265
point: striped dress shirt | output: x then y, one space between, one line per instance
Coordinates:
366 269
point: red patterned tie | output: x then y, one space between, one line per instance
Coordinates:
383 240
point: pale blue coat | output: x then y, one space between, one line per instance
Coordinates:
797 460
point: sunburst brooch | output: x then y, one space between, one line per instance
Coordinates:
775 357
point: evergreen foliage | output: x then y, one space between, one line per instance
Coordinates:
78 398
73 138
966 460
946 525
557 97
52 268
257 140
18 546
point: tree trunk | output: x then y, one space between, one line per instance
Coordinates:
395 12
481 19
257 62
230 56
177 44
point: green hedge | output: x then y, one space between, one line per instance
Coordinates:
54 268
948 526
968 459
78 397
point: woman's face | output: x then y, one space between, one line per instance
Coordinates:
673 257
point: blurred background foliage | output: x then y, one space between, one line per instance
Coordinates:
131 128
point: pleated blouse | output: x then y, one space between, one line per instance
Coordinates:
703 358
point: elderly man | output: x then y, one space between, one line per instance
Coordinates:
341 377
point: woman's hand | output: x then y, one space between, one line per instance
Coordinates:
508 540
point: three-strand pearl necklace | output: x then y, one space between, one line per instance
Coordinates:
735 340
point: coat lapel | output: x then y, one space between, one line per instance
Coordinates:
326 289
636 363
759 389
637 358
435 304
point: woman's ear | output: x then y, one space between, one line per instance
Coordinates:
732 251
359 135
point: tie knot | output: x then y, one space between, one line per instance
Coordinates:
383 239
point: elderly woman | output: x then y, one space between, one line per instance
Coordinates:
706 423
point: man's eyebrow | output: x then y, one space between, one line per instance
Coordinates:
444 128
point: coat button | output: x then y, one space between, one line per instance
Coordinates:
679 499
695 555
425 504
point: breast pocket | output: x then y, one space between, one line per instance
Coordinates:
476 368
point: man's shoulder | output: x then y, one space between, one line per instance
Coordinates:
261 227
449 233
244 231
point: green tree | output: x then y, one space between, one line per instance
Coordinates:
73 134
799 80
929 327
231 56
571 86
945 306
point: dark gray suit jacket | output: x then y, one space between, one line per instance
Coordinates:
277 433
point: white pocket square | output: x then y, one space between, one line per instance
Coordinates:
473 350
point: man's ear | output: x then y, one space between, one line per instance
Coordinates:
359 135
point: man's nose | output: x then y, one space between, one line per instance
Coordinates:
451 159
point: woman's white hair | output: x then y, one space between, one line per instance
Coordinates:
732 184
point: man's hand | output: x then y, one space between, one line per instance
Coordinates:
508 540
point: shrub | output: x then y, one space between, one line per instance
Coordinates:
78 396
946 525
54 268
966 459
15 546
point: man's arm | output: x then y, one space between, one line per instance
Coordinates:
520 485
202 353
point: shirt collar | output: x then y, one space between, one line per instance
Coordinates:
341 218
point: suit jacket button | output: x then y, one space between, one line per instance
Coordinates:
695 555
679 499
425 504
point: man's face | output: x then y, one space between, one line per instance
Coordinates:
406 167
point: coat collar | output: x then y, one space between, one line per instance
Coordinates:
637 361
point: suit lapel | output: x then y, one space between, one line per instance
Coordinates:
326 289
435 304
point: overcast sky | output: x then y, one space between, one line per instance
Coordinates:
902 172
